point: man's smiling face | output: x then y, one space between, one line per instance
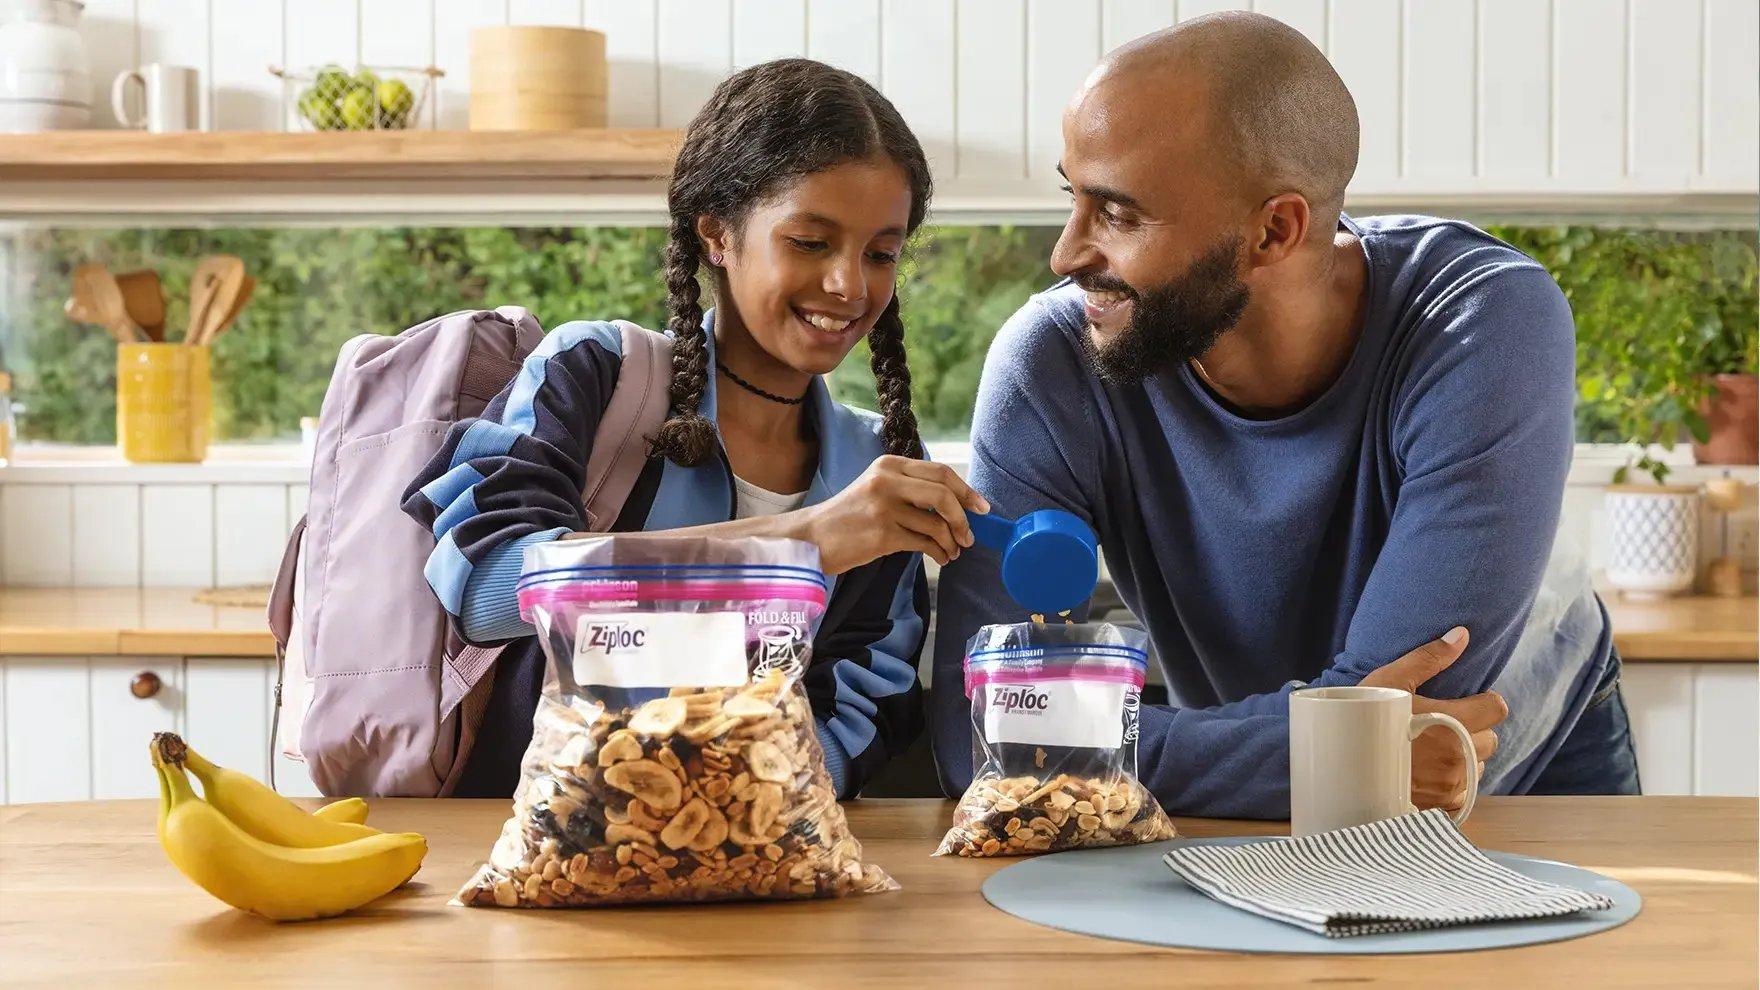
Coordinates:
1152 236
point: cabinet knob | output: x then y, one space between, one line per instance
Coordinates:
145 684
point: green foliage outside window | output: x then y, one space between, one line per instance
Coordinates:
1654 310
1657 314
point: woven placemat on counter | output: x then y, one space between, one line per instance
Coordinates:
241 596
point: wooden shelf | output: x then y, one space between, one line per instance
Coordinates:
385 155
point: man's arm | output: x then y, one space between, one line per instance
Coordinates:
1035 445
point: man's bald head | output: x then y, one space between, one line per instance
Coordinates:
1271 103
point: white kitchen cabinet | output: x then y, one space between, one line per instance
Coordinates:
49 729
224 714
1694 726
1659 699
72 728
122 723
1725 760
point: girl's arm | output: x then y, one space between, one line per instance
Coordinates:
863 678
898 505
512 476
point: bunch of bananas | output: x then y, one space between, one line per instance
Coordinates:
260 852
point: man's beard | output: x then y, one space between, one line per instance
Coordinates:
1174 323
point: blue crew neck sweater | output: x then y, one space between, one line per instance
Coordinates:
1421 490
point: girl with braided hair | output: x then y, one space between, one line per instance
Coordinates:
795 190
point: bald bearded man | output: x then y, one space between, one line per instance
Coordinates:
1318 450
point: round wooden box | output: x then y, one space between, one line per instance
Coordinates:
537 79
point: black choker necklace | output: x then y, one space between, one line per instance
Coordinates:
755 390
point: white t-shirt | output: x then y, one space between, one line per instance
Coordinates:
751 501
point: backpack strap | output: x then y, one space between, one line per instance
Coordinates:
620 451
637 408
281 593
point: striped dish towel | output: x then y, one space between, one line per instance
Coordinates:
1402 874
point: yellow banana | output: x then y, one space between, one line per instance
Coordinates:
278 882
256 808
351 811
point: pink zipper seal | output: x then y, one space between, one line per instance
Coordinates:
1095 673
613 590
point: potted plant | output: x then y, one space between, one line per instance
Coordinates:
1732 357
1660 316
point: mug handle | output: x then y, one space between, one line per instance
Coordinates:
119 91
1431 719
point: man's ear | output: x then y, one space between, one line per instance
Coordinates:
714 235
1280 228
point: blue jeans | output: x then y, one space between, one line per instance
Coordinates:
1597 757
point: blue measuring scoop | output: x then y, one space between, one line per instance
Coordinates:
1050 558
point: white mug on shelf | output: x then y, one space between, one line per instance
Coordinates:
168 99
1350 757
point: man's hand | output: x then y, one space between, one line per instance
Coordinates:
1439 774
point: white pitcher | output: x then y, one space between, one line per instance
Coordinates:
45 78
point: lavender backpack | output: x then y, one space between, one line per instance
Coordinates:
376 692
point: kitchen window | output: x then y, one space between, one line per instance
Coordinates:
318 285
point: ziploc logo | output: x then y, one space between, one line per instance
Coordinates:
616 637
1024 700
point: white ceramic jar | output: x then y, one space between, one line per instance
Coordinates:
45 78
1653 538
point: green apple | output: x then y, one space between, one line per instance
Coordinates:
318 111
395 97
332 81
357 110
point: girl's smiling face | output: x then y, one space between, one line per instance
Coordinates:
810 270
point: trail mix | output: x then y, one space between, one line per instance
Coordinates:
1054 742
703 794
1013 816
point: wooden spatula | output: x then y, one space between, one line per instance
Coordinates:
144 298
212 276
96 293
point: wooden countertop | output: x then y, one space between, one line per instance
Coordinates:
167 622
1694 627
127 622
88 899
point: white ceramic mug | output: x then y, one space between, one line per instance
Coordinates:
168 98
1350 756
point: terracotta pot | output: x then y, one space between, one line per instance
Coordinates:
1734 415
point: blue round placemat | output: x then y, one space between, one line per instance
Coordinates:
1129 894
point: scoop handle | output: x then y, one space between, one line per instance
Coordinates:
991 530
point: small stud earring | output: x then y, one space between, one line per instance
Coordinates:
715 258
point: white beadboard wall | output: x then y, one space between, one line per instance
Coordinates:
125 533
1456 96
201 526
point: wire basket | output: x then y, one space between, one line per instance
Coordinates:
368 98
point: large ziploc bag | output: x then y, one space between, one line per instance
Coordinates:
1054 741
673 753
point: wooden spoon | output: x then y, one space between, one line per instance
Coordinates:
144 299
245 288
211 277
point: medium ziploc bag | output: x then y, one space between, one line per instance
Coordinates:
673 753
1054 741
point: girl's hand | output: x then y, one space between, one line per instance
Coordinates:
897 504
